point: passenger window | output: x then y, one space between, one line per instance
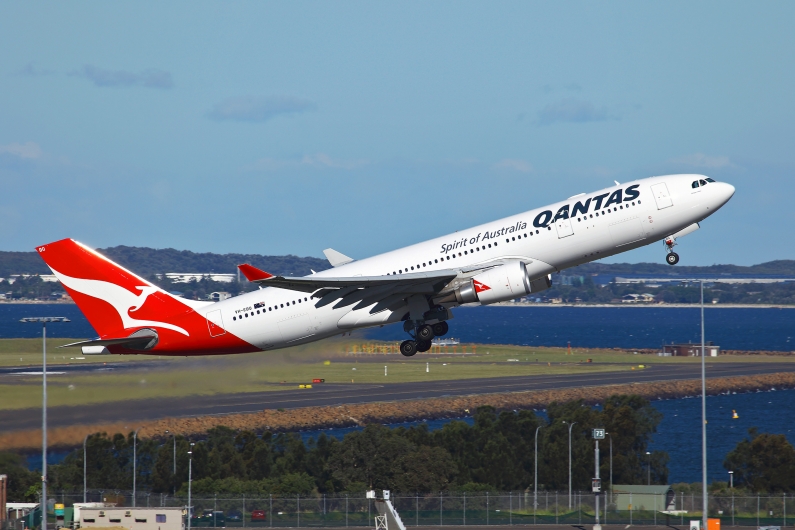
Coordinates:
412 267
507 240
282 305
694 184
234 318
436 261
537 232
495 243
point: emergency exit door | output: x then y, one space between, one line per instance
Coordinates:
215 323
661 196
564 228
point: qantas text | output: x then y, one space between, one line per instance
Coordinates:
545 218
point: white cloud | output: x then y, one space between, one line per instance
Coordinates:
258 108
151 78
513 164
29 150
317 161
573 110
702 160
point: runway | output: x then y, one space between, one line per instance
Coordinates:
344 394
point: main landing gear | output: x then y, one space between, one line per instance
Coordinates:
672 257
423 334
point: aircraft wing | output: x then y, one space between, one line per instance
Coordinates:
384 291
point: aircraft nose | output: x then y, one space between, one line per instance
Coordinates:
725 192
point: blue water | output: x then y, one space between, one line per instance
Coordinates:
679 432
617 327
625 327
586 327
12 328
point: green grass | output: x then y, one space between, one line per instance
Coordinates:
169 377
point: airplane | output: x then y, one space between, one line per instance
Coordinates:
418 285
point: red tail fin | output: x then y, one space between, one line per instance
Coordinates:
114 300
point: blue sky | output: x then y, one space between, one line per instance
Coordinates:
291 127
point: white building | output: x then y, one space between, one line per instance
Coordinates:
185 277
132 518
217 296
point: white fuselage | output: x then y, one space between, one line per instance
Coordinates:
548 239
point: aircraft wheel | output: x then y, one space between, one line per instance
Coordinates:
423 345
440 329
672 258
425 332
408 348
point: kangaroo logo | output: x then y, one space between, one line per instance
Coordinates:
122 300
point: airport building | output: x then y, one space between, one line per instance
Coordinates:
133 518
689 350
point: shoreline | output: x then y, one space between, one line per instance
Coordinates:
391 412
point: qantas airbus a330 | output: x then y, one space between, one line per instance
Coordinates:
416 285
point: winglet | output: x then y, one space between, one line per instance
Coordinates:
254 274
336 259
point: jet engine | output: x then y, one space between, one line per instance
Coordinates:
499 284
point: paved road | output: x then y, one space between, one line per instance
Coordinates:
344 394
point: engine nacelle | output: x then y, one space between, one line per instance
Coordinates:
501 284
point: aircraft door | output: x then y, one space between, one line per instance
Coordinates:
215 323
661 196
564 228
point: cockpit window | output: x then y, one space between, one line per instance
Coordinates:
702 182
709 179
694 184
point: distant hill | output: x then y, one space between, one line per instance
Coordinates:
147 261
776 268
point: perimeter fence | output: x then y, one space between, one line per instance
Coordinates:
453 509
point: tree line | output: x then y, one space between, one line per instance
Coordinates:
495 453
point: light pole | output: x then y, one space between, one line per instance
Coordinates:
611 471
731 486
570 426
704 500
135 461
85 480
535 477
648 468
174 459
44 321
190 478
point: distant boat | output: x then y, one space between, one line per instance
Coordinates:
438 341
735 416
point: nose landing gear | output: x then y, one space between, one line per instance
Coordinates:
672 257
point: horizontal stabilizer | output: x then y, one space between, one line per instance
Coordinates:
111 342
336 259
254 274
